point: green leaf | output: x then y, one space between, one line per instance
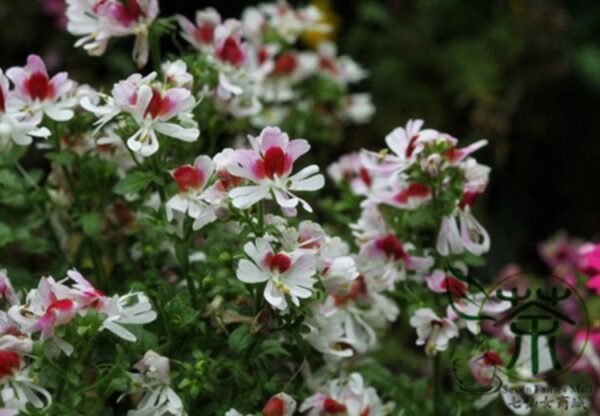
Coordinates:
91 223
135 182
65 158
240 339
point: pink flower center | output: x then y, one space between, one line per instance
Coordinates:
286 64
274 162
128 12
392 247
205 34
277 262
414 190
9 362
158 105
333 407
187 178
38 87
231 52
274 407
455 287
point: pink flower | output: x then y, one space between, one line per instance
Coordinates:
386 259
7 292
407 196
47 307
229 48
406 143
33 88
440 282
455 155
269 165
589 264
192 198
154 110
202 34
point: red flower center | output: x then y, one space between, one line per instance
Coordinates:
62 305
188 177
2 101
278 262
365 176
468 199
455 287
358 290
205 34
392 247
332 406
158 104
274 162
9 362
328 64
263 55
274 407
231 52
414 190
286 64
38 87
412 145
492 358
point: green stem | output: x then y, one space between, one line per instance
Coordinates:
437 385
261 216
184 260
155 50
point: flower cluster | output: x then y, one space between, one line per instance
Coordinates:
250 306
36 320
97 21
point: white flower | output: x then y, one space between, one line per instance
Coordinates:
176 74
327 332
346 396
287 275
433 332
154 379
130 309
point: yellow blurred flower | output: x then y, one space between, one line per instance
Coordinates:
312 38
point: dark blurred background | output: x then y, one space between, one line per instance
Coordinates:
523 74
